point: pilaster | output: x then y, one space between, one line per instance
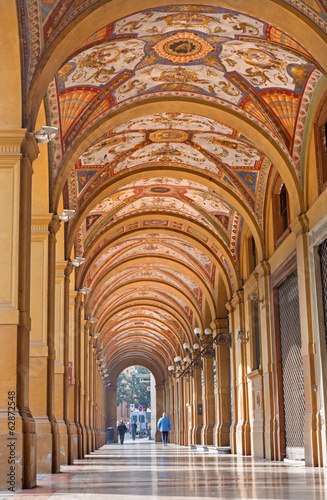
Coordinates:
112 410
208 406
312 438
197 413
77 372
38 341
17 153
243 442
160 408
267 396
68 399
54 227
221 432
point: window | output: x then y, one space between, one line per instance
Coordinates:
320 128
280 211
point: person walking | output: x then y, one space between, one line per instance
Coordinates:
164 426
133 427
122 429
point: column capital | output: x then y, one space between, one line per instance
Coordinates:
229 306
300 225
68 270
30 149
238 298
54 224
263 268
219 324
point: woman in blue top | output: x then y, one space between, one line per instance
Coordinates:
164 426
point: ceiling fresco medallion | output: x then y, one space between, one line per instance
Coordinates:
168 136
183 47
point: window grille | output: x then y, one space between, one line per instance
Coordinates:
292 367
322 250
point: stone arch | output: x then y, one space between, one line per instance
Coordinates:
164 286
158 305
158 260
262 138
234 272
226 194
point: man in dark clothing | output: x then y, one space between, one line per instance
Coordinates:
133 428
121 431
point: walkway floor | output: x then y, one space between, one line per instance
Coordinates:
146 469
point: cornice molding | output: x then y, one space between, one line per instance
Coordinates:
40 222
11 141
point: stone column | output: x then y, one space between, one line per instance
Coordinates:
243 437
254 371
71 452
83 333
77 373
60 361
197 418
91 401
312 437
73 437
86 395
267 398
221 387
234 401
208 406
160 408
16 159
111 410
180 410
187 410
54 226
38 341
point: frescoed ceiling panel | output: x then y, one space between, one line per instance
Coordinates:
199 205
161 274
150 296
230 57
45 20
145 244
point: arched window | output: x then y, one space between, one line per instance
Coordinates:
321 143
283 207
280 211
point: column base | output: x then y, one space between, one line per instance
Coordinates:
43 445
63 442
207 435
221 435
243 439
72 444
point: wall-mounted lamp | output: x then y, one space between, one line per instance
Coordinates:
66 215
85 290
78 261
207 341
46 134
254 298
242 338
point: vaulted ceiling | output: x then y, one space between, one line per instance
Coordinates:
172 120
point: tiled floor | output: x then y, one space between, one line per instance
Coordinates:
142 468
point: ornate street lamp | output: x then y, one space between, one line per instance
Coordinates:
207 341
